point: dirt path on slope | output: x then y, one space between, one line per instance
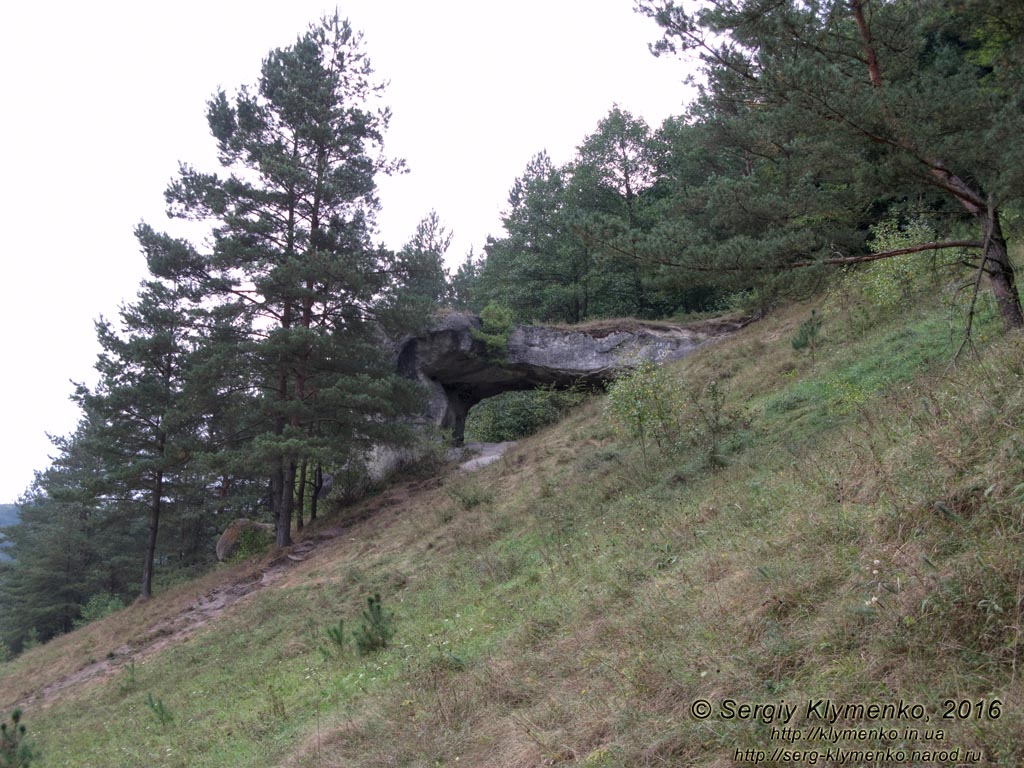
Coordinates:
208 606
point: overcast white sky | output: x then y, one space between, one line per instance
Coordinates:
102 99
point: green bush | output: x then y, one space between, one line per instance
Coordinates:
807 334
889 283
647 405
514 415
880 289
252 542
711 420
469 493
99 606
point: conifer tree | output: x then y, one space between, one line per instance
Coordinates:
464 284
422 261
68 545
15 751
844 106
310 296
141 425
540 269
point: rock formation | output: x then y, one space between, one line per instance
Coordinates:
458 372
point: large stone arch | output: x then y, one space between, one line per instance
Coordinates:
458 373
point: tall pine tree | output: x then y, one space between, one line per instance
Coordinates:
143 429
293 259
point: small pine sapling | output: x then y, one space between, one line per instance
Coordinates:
376 630
127 684
710 405
336 636
807 334
15 752
159 710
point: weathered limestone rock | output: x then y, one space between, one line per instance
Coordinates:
458 373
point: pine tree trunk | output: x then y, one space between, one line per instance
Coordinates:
154 526
1001 272
300 495
318 484
285 504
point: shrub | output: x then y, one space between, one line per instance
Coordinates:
889 283
514 415
99 606
252 542
469 493
650 405
712 419
877 290
647 405
807 335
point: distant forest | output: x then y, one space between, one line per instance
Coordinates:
8 516
885 137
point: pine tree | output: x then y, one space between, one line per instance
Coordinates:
541 269
310 295
142 428
70 544
464 285
840 108
422 261
376 629
611 181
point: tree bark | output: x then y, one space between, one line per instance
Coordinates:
300 495
154 526
1000 272
286 505
318 484
874 70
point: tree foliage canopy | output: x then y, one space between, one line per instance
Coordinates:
842 108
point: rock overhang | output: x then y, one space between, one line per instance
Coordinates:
459 372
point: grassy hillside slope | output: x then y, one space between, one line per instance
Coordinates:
568 604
